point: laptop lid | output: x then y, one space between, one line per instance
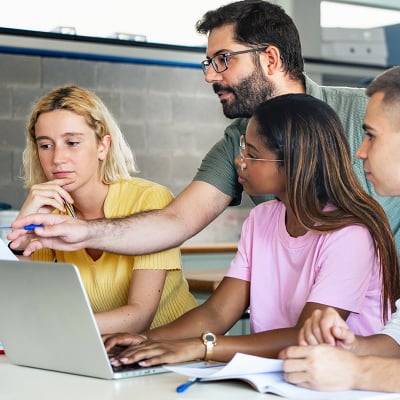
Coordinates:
46 321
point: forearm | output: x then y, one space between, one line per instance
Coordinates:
123 319
377 374
156 230
217 314
142 233
263 344
192 324
376 345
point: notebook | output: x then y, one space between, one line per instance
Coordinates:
46 321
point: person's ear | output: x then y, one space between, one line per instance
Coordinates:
104 146
271 60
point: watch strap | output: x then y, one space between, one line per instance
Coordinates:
209 341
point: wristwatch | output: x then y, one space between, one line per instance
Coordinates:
209 340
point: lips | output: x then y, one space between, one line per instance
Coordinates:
62 174
241 180
368 174
221 91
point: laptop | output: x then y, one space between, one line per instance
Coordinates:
46 322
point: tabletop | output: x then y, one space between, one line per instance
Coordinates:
24 383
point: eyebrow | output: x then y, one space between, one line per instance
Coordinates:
251 146
65 134
367 127
218 53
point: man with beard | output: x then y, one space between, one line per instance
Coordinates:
253 54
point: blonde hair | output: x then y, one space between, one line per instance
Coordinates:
119 162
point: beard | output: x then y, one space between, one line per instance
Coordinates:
248 94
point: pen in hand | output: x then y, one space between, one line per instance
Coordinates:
187 384
30 227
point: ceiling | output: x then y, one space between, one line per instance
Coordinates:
393 4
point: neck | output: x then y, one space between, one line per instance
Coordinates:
287 85
293 226
89 204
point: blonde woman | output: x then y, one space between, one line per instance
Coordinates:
77 162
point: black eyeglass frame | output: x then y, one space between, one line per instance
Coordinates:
205 64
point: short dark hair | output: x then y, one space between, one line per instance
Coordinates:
387 82
258 22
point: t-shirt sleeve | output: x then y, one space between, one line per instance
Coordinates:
347 269
158 197
155 197
392 328
218 166
240 266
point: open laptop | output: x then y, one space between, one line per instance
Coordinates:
46 321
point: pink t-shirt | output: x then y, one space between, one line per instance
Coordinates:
337 269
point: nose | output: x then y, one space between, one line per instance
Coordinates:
240 162
361 152
212 76
58 155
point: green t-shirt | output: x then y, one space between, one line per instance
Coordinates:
219 170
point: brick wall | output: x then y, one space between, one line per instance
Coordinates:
169 115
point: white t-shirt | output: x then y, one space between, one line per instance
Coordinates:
392 328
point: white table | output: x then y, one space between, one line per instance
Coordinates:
23 383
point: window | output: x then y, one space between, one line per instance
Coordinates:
341 15
167 22
170 22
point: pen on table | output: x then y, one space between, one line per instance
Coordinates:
30 227
187 384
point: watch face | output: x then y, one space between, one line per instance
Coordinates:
209 337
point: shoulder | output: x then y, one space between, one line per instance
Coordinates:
137 188
233 132
354 238
238 126
140 184
266 209
337 96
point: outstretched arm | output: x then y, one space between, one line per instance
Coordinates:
142 233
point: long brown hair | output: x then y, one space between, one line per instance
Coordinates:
307 134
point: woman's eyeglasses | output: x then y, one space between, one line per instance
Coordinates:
242 148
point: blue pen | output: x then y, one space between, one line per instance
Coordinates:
30 227
187 384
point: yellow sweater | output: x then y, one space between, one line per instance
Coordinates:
107 279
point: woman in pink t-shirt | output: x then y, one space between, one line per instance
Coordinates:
316 245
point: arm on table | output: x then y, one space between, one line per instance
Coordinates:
180 340
325 367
